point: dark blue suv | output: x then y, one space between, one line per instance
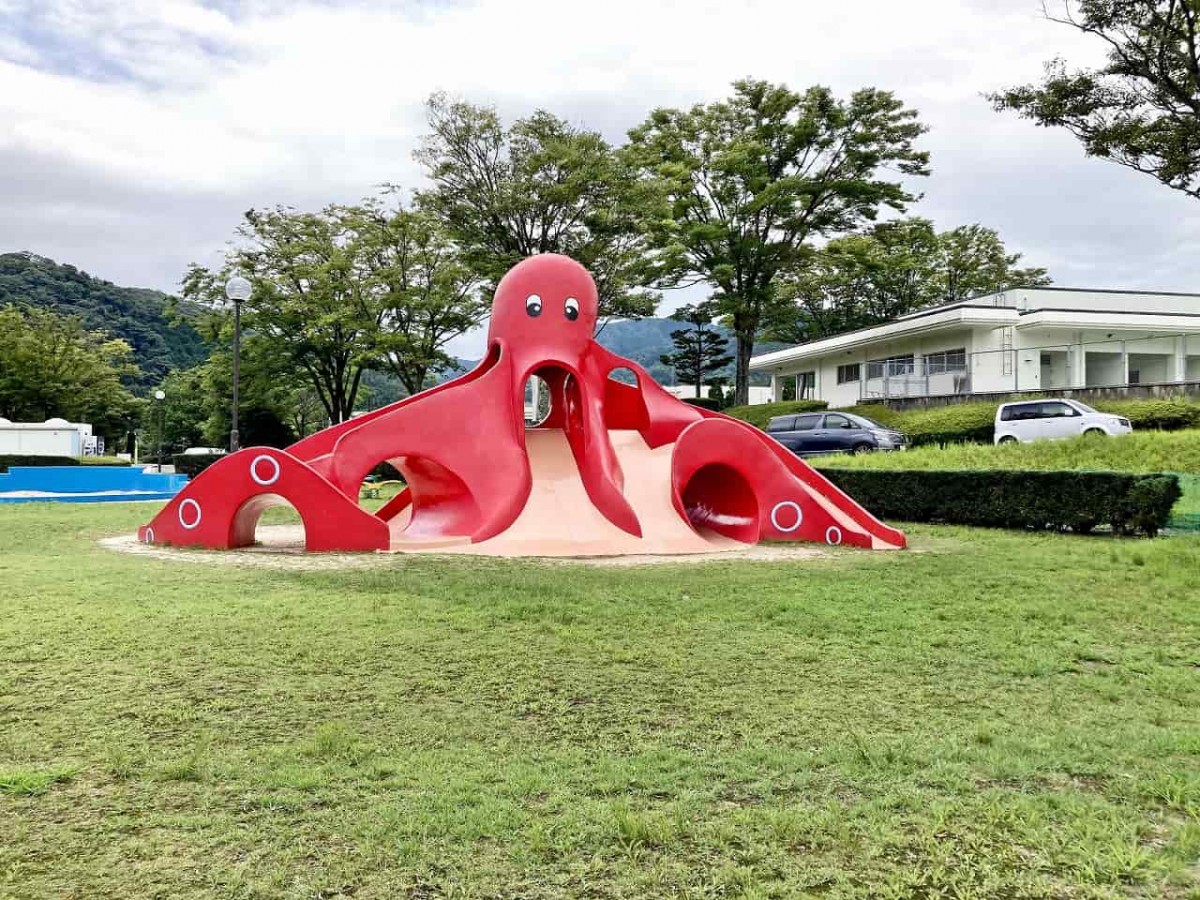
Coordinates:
809 434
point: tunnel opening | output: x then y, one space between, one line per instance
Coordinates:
271 521
718 498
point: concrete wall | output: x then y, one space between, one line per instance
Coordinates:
40 440
1109 301
1152 368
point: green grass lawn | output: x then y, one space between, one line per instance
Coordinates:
996 715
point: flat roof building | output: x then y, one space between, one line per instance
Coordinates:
1024 339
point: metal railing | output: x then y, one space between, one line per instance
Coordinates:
1154 359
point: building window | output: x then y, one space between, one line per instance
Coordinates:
946 361
849 372
893 365
806 385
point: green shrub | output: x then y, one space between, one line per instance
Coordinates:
1056 501
102 461
1171 414
16 459
759 414
192 464
956 424
1143 452
385 471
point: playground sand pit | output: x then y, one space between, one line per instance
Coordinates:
282 547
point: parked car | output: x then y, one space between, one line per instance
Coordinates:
809 434
1043 420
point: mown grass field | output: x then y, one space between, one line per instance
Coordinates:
993 715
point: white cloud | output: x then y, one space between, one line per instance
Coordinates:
133 133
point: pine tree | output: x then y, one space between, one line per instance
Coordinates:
700 349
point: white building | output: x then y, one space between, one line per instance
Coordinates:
54 437
1025 339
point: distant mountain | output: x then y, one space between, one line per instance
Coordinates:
138 315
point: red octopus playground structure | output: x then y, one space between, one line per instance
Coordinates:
615 468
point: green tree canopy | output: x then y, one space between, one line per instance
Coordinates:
1141 109
752 178
417 277
540 186
51 366
893 268
310 298
700 350
347 290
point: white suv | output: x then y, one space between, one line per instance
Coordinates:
1040 420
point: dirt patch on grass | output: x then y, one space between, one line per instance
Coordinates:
282 547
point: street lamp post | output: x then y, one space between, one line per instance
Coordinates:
159 396
237 289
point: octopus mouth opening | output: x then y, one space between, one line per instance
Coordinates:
550 396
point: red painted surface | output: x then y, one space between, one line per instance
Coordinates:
462 449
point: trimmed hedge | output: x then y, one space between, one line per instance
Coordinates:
974 423
703 403
1172 414
957 424
1043 501
17 459
759 414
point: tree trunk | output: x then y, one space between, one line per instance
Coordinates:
741 383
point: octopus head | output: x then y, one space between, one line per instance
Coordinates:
545 306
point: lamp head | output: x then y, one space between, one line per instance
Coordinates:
238 289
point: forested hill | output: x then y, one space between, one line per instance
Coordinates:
138 315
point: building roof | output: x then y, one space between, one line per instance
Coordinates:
1018 307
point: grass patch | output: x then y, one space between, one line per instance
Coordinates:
29 783
997 715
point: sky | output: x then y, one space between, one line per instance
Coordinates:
135 133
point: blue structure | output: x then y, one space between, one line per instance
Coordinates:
86 484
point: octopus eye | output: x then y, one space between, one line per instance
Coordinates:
533 305
572 309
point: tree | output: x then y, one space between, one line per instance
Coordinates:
973 261
699 350
751 179
344 291
420 281
1142 108
51 366
893 268
310 297
540 186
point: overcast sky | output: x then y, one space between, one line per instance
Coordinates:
134 133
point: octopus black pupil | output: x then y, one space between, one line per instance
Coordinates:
572 313
533 308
